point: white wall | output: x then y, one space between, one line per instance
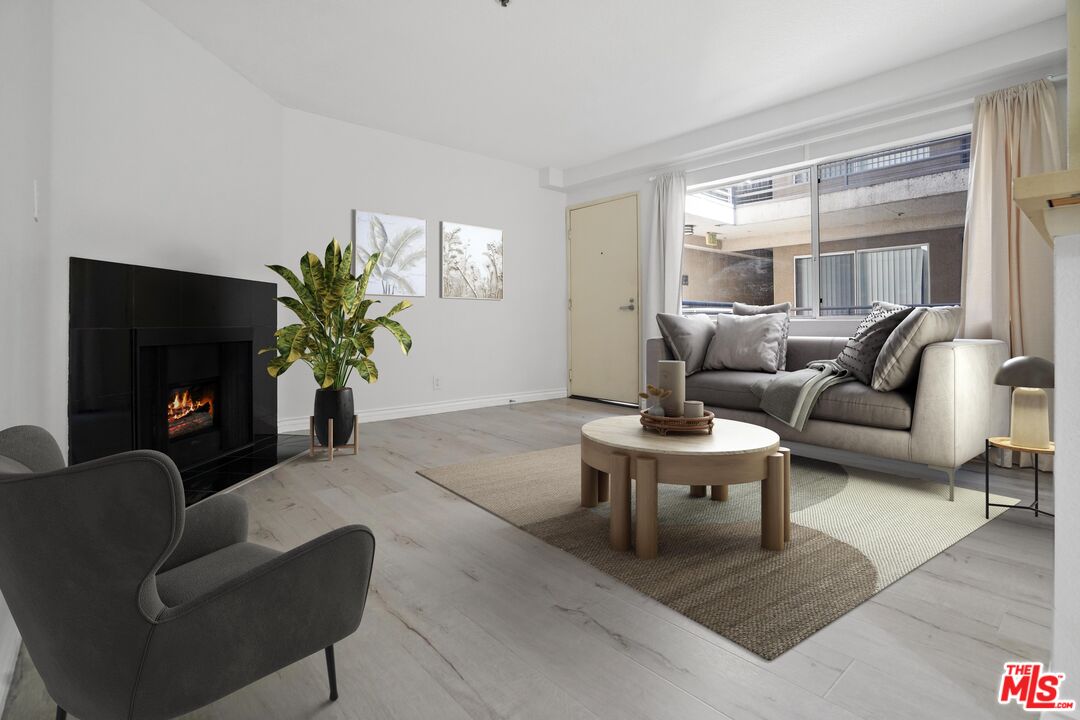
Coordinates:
25 97
483 351
1066 645
162 156
25 81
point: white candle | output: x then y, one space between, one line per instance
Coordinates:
671 375
694 409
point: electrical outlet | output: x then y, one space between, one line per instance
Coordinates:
436 383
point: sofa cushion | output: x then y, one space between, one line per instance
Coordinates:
898 362
861 352
746 342
850 402
858 404
803 350
687 337
728 388
781 308
9 466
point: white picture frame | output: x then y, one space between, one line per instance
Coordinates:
471 262
402 242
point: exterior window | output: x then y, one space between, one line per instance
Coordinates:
738 255
890 226
852 281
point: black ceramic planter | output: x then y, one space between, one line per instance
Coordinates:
336 404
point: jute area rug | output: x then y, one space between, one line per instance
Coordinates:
854 532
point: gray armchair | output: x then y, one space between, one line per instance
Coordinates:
133 608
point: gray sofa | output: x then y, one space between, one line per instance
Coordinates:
941 421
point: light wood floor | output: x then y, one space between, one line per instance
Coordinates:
470 617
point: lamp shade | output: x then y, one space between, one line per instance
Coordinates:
1026 371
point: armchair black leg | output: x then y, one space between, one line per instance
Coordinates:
332 672
61 713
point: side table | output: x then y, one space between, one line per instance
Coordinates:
1007 444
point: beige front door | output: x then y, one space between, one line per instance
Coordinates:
604 302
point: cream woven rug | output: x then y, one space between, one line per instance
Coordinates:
854 532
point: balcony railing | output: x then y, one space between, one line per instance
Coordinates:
939 156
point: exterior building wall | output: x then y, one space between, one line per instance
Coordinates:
946 258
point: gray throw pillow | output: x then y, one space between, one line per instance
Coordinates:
746 342
687 338
12 467
861 352
898 362
785 308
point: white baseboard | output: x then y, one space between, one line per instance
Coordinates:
10 640
294 424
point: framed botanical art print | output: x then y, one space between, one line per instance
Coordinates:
472 262
402 246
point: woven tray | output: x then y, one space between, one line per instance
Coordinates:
665 425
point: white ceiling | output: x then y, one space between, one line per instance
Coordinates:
562 83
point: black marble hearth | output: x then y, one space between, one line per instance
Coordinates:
168 360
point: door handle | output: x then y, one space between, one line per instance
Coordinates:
628 307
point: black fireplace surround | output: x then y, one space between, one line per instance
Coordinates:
168 360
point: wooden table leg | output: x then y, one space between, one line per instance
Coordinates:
697 491
772 505
589 486
720 492
646 535
603 487
620 502
787 493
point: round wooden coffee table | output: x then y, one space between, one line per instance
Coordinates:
616 449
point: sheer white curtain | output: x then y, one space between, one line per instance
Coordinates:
1008 269
663 263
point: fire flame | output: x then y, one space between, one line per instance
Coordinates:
182 405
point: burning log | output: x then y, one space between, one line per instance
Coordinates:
187 414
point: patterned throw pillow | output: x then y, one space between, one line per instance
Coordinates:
861 352
784 308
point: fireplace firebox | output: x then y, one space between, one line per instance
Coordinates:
193 391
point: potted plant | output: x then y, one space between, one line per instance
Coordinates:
334 336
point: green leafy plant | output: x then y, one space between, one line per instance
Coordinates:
334 335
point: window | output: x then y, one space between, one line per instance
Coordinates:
889 226
742 233
851 281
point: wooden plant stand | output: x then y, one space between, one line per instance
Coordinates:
312 447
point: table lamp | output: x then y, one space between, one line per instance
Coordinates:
1030 422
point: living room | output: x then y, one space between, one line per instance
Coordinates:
842 293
